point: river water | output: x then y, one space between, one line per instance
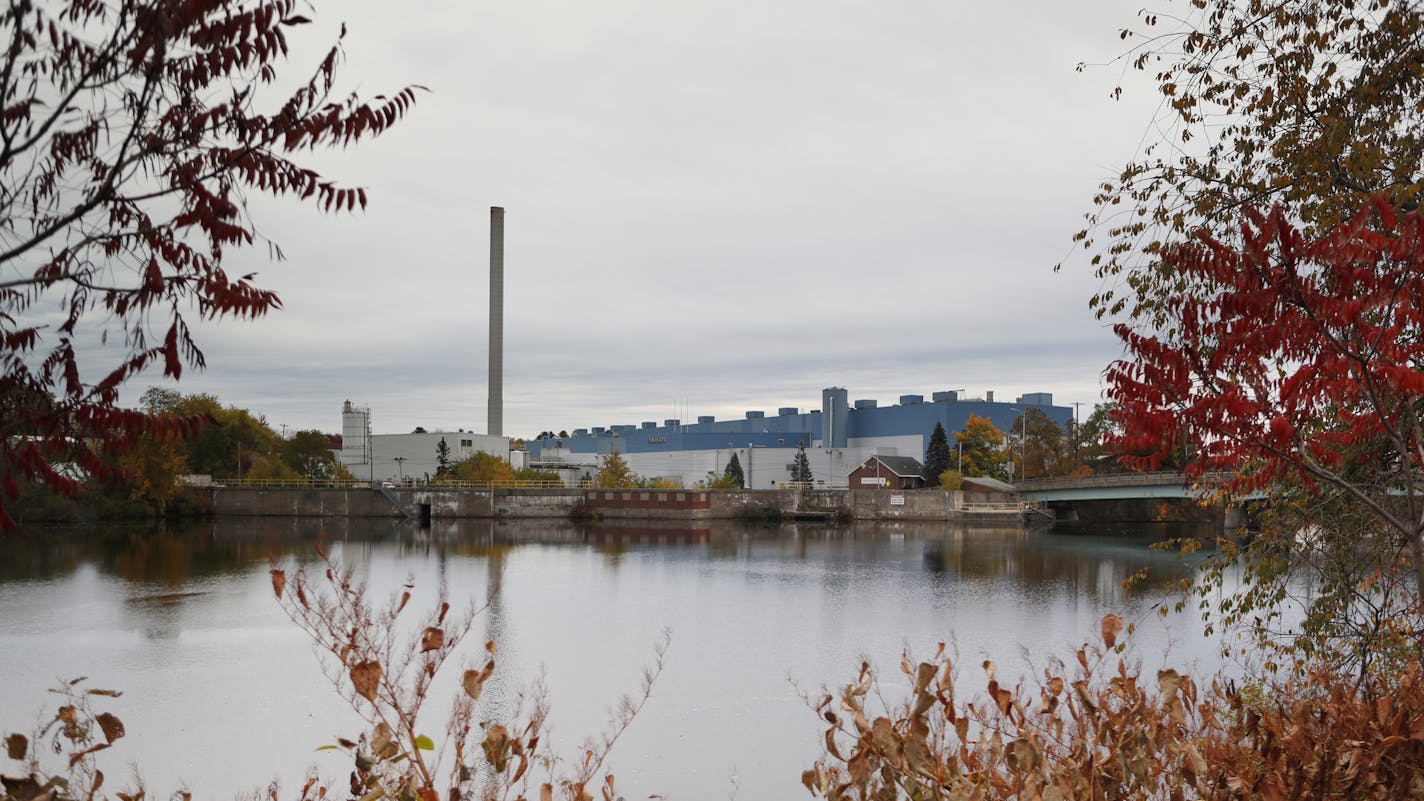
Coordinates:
223 694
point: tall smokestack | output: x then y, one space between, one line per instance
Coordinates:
496 322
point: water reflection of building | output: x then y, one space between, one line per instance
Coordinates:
837 437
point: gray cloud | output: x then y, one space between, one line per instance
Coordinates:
730 205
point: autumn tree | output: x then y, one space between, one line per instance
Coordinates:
1093 437
614 473
1044 448
982 448
1295 365
937 455
155 463
483 468
1314 105
270 467
131 137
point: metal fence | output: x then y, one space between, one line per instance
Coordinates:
305 483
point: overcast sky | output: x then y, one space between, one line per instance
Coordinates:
711 207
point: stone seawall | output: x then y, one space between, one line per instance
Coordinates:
636 504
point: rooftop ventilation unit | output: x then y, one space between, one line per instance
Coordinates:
911 400
755 415
941 397
785 411
706 418
866 403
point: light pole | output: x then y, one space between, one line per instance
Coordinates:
400 467
957 441
1023 442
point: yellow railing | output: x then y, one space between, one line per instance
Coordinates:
305 483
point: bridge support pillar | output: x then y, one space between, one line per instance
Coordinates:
1234 518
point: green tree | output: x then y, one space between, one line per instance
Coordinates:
937 455
734 473
981 446
533 475
614 473
721 481
309 453
801 468
442 458
231 441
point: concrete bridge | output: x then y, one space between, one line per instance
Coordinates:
1137 496
1120 486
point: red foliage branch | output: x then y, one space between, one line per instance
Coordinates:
129 135
1287 359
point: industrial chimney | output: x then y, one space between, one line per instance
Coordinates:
496 323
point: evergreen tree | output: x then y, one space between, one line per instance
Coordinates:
442 458
735 474
937 455
801 468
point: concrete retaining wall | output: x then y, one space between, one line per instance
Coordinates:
449 504
353 502
869 504
526 503
732 504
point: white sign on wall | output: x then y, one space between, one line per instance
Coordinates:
897 499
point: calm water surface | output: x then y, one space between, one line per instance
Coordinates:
222 692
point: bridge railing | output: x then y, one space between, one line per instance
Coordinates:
1176 478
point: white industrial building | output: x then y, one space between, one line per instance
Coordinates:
393 457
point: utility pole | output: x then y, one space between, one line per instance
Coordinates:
1077 430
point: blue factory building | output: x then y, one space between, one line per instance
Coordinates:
862 427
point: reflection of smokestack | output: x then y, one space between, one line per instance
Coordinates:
496 322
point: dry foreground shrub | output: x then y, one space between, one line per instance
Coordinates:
1105 731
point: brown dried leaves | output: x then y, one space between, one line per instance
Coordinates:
366 678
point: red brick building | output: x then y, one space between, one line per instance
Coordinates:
888 472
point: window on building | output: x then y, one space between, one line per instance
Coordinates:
467 443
